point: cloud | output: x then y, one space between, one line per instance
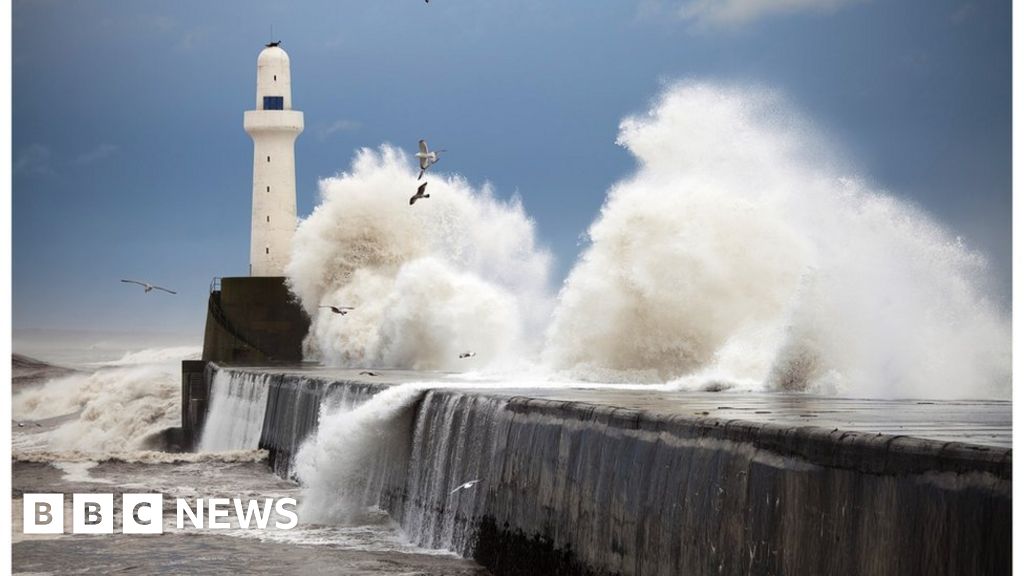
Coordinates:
339 126
36 159
95 155
734 13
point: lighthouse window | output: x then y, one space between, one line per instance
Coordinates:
273 102
268 249
268 188
268 218
268 158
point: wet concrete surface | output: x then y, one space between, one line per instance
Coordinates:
981 422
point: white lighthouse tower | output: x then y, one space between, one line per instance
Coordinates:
273 126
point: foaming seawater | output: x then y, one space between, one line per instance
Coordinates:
236 412
114 408
458 271
140 456
154 356
352 455
742 252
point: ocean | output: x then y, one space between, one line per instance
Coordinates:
84 417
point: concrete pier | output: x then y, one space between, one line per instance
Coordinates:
651 482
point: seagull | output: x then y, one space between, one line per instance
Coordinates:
465 486
427 158
467 354
367 373
419 194
339 309
149 287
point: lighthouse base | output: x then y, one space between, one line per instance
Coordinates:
254 320
249 320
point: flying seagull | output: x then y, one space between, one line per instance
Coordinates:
149 287
367 373
339 309
420 193
467 354
427 158
465 486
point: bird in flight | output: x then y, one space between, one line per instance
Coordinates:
467 354
420 193
367 373
465 486
427 158
148 287
339 309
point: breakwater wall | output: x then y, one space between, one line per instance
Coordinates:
578 488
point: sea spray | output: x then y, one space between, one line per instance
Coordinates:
742 253
167 356
354 453
459 271
114 408
741 250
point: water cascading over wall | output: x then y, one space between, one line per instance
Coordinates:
573 488
238 407
275 412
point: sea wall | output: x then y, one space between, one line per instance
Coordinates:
574 488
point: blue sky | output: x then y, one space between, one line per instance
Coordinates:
129 158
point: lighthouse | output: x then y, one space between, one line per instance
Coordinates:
273 127
255 319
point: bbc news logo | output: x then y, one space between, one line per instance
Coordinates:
143 513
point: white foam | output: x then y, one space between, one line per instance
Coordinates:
78 471
341 465
741 250
140 456
459 271
237 407
114 408
156 356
